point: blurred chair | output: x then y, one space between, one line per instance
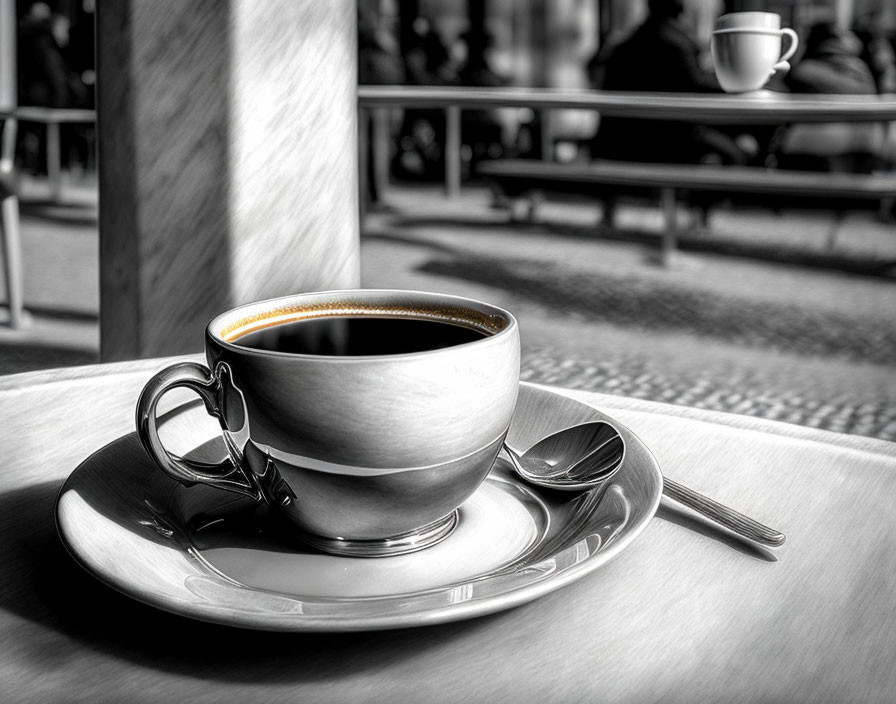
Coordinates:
9 225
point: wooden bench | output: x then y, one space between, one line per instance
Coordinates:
693 184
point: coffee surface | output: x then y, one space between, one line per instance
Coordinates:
344 336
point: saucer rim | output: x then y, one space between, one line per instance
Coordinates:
490 604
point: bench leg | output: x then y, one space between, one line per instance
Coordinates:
54 161
515 207
12 258
533 201
380 143
452 151
608 217
363 161
836 222
703 218
670 225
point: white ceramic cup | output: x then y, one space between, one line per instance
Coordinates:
747 50
362 453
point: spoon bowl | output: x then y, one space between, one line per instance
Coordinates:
584 456
573 459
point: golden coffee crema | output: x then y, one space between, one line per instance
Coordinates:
485 323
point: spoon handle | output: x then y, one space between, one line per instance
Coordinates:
724 516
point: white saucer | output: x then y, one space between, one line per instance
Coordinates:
201 553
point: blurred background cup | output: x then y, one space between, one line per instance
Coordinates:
747 49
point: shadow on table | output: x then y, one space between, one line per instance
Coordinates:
630 301
685 520
16 357
57 313
81 215
43 584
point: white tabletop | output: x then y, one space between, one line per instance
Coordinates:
682 615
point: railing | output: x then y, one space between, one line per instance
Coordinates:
760 108
375 103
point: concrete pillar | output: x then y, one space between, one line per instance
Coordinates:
228 161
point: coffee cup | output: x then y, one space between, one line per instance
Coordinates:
362 418
747 49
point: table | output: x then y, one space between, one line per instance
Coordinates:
53 118
680 616
10 236
762 108
11 254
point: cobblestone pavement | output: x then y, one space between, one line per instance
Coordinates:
654 306
746 393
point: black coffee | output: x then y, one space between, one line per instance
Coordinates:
358 336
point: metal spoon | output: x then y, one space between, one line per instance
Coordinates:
584 456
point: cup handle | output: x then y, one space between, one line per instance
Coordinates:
783 64
227 474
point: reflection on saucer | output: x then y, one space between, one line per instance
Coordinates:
500 522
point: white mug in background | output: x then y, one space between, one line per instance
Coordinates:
747 50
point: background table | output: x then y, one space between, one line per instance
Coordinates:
760 108
683 615
52 118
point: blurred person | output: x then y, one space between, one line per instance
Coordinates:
832 63
379 57
45 79
880 55
428 62
379 63
661 55
81 46
475 68
881 58
596 68
482 130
